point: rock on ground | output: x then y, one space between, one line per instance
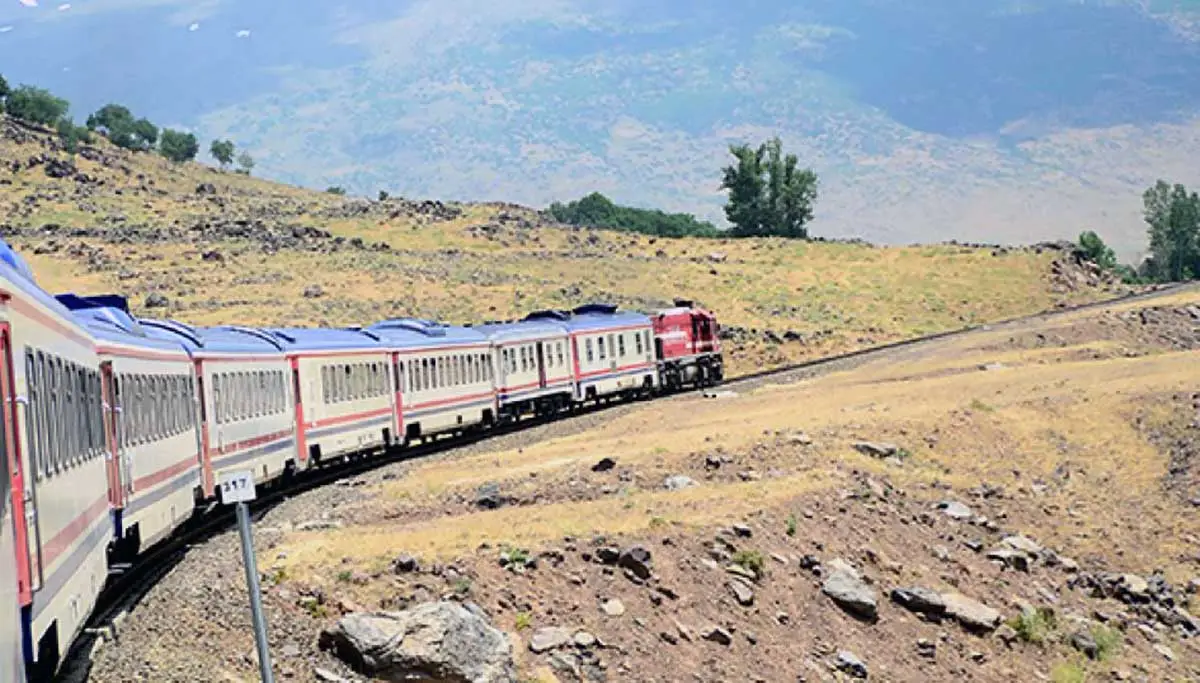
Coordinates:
437 641
851 593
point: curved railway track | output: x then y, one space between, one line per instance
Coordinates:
126 588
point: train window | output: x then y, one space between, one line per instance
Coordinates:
216 398
600 345
587 344
646 340
33 395
458 371
612 348
325 384
266 384
621 345
69 415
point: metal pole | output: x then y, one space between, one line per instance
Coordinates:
256 609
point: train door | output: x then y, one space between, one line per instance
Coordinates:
24 512
201 413
112 455
398 382
541 365
301 436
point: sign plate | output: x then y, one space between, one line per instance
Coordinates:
236 487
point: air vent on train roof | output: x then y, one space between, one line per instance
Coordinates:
607 309
549 315
429 328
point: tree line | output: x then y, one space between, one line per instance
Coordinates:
768 195
114 121
1172 216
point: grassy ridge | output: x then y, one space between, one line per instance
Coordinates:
222 248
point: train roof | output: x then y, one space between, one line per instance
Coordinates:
107 317
536 328
414 332
228 339
323 339
14 261
602 316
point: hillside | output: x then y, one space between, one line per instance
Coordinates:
203 246
927 120
1017 504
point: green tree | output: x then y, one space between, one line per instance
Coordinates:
178 146
769 194
222 151
383 195
1097 250
36 105
118 124
1172 215
598 211
336 189
145 134
245 163
4 92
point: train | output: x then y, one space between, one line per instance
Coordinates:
116 429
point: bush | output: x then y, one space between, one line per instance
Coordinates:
597 211
751 560
178 146
36 105
336 189
72 135
1034 626
1108 641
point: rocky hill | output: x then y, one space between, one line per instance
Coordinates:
927 120
193 243
1018 504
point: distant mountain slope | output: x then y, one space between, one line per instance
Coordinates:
927 119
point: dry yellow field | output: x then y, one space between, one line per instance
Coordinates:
968 410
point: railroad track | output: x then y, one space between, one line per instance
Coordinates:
126 589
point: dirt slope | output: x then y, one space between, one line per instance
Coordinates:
189 242
1046 469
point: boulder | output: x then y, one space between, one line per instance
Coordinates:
549 638
955 510
920 600
876 449
434 641
851 594
972 614
678 482
637 560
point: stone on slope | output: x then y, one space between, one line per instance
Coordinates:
434 641
849 663
955 510
920 600
972 614
851 593
549 638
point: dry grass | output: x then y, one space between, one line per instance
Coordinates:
837 296
1067 424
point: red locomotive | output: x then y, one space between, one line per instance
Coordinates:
687 347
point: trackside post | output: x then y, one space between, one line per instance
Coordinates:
238 488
